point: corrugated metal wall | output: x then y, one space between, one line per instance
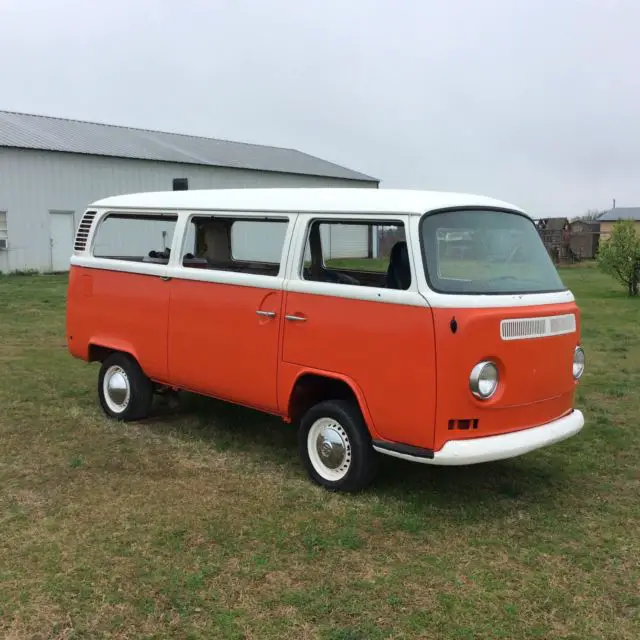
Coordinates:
33 183
344 241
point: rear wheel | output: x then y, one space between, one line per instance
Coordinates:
335 446
124 390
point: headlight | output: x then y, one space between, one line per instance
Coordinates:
484 380
578 363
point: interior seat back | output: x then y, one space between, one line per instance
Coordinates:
399 270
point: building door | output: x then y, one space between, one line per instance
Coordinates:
61 229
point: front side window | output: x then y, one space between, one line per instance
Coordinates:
369 254
242 245
135 238
485 252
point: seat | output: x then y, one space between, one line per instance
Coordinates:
399 271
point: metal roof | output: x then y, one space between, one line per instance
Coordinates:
328 200
26 131
620 213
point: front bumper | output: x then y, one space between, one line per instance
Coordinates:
506 445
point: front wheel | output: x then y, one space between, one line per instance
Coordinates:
124 390
335 446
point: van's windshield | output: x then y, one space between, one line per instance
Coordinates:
485 252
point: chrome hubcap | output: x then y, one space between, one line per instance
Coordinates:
116 388
329 449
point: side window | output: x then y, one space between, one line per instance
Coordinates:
369 254
243 245
136 238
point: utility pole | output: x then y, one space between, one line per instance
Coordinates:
614 203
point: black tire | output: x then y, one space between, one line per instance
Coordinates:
140 388
362 465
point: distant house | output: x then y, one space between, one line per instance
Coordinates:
584 238
552 224
554 233
584 226
609 218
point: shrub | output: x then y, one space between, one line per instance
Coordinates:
619 255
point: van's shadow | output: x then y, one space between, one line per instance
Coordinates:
473 489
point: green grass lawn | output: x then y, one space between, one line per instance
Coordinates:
199 523
359 264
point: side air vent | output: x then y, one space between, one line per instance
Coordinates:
525 328
84 227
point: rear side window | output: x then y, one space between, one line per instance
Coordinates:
361 253
135 238
258 240
242 245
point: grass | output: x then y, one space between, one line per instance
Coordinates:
359 264
199 523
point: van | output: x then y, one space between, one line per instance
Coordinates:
428 326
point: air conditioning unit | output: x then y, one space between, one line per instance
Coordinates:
4 243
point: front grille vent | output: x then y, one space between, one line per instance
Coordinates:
525 328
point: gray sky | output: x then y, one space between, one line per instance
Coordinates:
533 101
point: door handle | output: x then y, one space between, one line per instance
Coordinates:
266 314
165 278
295 318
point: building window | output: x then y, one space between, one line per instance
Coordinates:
4 231
135 238
243 245
368 254
181 184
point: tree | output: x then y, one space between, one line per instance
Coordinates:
589 216
619 255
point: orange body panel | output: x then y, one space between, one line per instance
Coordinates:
536 381
123 311
387 350
408 369
220 346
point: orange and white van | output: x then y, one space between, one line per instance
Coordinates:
428 326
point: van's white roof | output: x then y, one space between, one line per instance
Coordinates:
327 200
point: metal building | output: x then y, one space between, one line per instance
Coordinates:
52 168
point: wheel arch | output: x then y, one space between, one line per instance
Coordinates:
100 349
313 386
